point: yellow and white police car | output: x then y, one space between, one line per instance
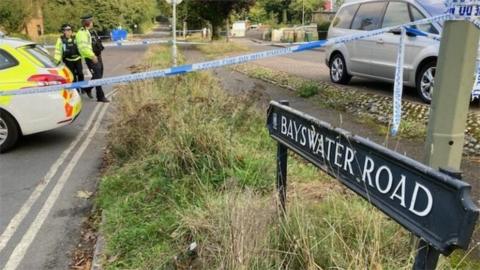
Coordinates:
24 64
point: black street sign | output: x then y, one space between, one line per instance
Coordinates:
430 204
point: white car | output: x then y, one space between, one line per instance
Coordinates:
375 57
24 64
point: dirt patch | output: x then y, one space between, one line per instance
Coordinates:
314 192
138 68
83 253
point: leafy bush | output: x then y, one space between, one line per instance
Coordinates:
323 26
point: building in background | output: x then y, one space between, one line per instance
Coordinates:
328 5
34 27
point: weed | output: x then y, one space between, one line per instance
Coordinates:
307 90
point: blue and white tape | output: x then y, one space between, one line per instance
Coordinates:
150 42
141 42
398 87
215 63
476 85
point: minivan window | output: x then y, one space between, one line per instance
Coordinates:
397 13
344 17
6 60
434 7
417 15
369 16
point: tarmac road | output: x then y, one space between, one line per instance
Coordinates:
311 65
45 180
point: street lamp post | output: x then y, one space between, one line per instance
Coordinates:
303 12
174 28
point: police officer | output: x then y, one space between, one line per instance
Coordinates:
66 50
90 48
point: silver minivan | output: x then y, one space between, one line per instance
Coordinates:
375 57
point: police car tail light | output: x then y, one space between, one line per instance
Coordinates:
47 79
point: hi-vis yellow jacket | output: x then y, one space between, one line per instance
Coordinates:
84 43
60 49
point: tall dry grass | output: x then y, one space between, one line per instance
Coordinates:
191 164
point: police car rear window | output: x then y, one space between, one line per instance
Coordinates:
6 60
41 55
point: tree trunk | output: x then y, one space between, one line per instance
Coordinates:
284 17
215 32
228 29
184 29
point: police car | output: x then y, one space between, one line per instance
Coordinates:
24 64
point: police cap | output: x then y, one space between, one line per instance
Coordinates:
87 18
66 26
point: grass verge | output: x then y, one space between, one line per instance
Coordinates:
371 109
221 48
190 185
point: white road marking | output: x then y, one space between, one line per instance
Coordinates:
20 250
27 206
22 213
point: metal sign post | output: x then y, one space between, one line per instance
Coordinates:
434 205
282 155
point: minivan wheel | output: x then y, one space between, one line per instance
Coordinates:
338 70
426 81
9 132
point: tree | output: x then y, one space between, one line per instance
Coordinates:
14 14
298 6
108 14
278 8
285 10
216 12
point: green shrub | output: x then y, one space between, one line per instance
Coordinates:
308 89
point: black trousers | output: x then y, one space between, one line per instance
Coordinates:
97 73
76 68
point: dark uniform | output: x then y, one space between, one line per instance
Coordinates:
91 47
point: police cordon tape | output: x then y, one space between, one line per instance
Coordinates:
152 41
458 10
398 86
247 58
141 42
214 63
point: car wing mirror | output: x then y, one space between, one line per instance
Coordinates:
411 32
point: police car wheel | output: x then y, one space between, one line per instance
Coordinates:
9 132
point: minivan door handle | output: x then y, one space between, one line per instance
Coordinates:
380 41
